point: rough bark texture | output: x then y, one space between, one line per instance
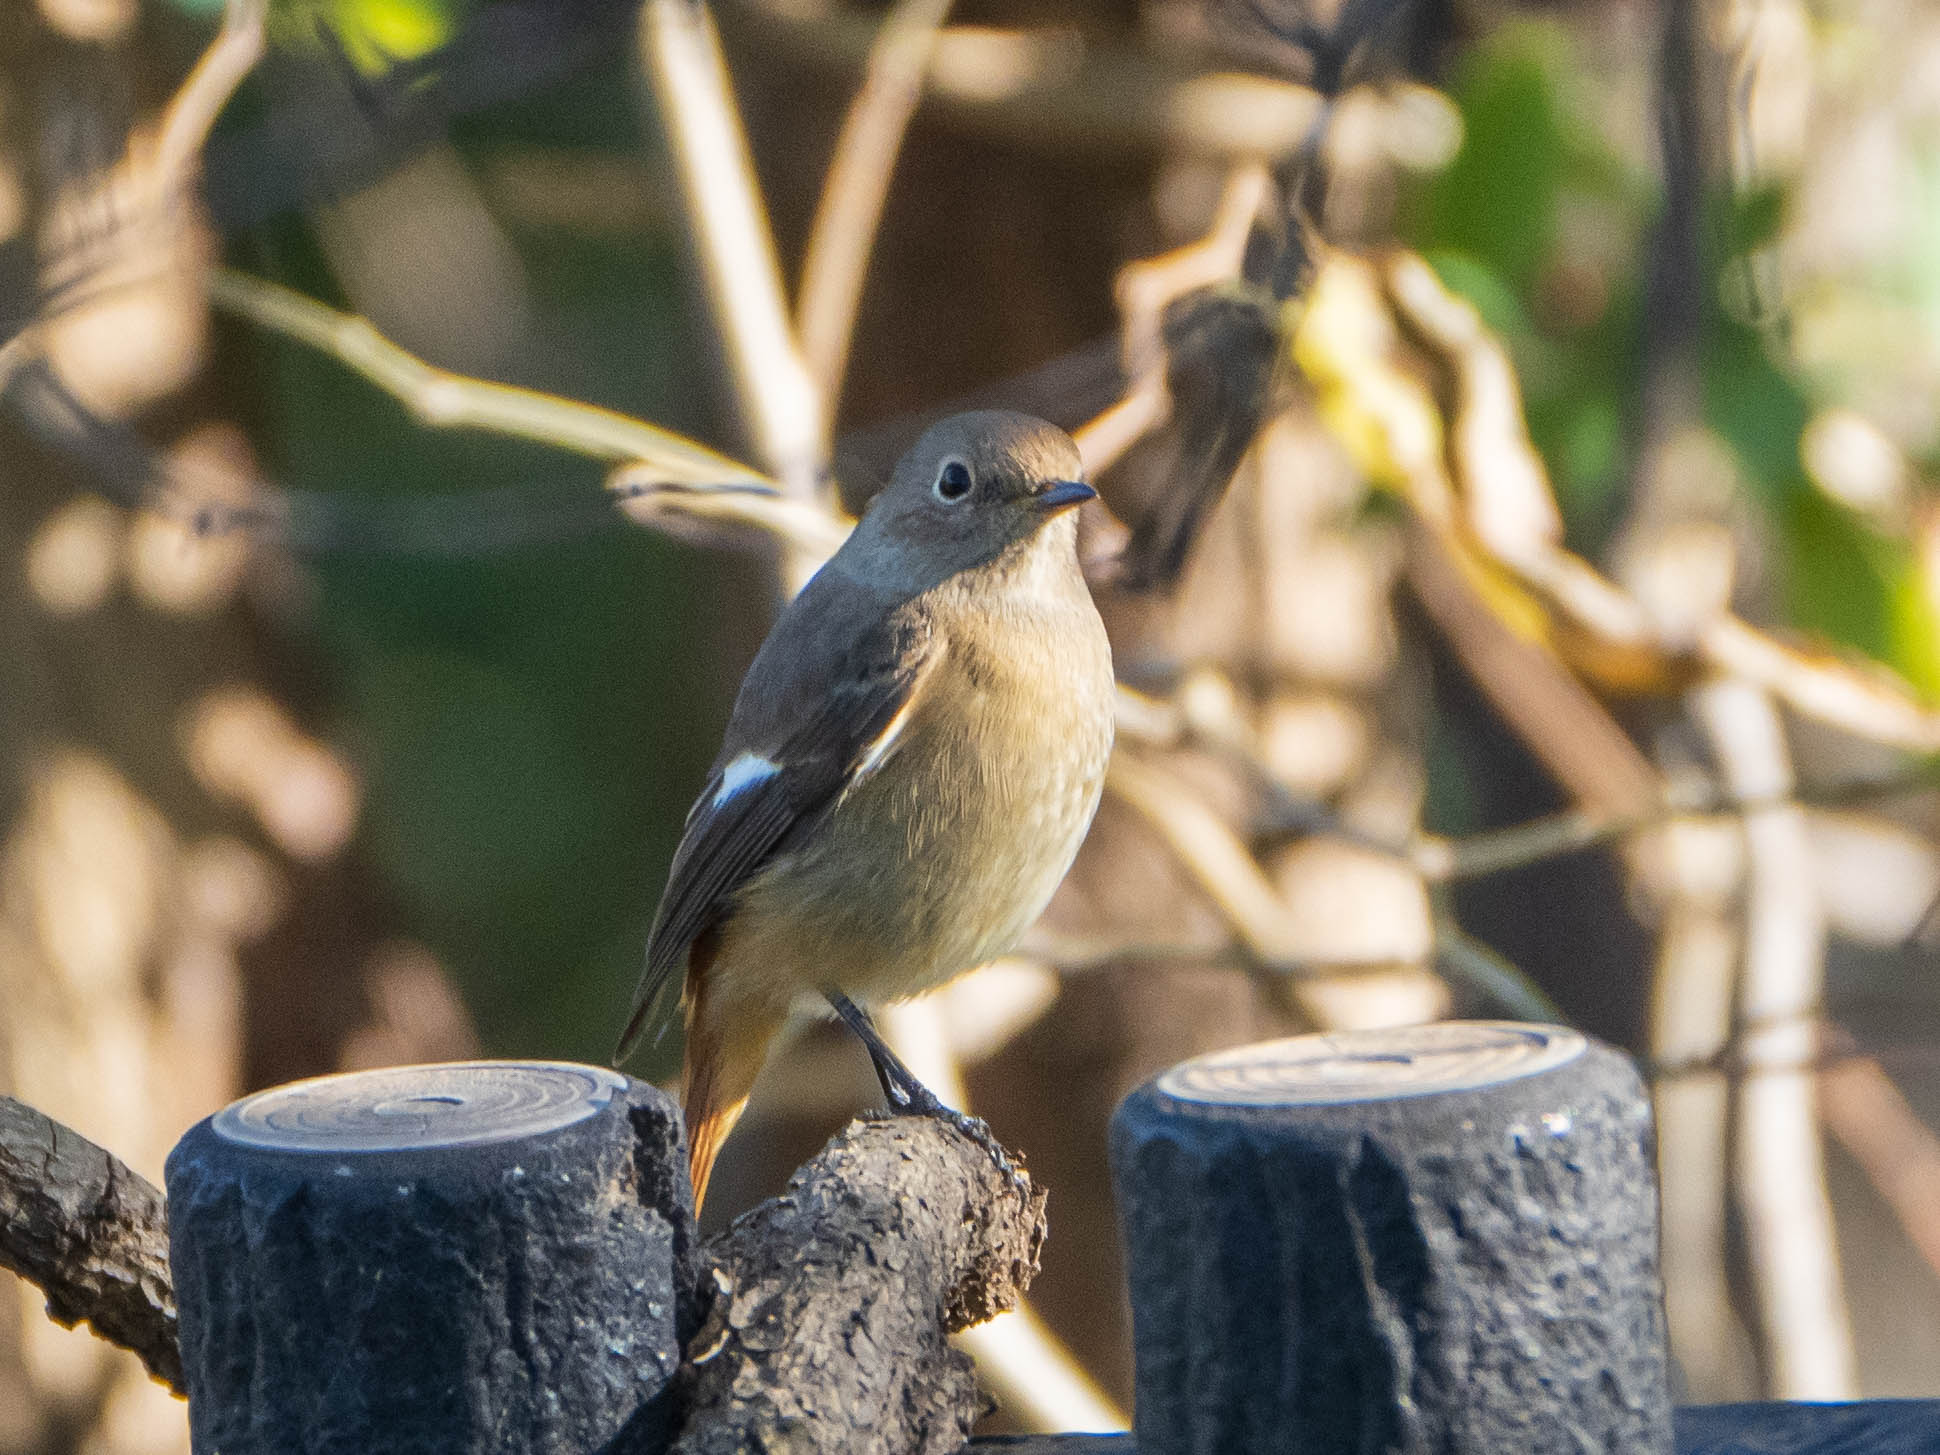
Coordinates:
89 1233
1466 1271
832 1301
1871 1427
512 1283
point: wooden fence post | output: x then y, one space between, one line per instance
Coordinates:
1441 1238
489 1256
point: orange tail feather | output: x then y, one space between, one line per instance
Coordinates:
722 1060
711 1112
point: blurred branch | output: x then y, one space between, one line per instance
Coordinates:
1698 950
844 231
1491 851
1488 532
1861 698
1792 1246
129 471
681 54
327 128
1898 1152
1674 301
1051 90
666 479
91 1234
1193 719
439 399
1103 439
811 531
192 111
1218 861
1468 961
1225 871
1146 287
1563 725
16 353
1200 349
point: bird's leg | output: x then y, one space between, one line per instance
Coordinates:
907 1096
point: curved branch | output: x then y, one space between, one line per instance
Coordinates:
832 1300
91 1234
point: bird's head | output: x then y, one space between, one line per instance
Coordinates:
976 488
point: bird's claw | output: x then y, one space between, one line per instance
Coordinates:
908 1096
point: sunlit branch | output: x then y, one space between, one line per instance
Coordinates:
1051 90
443 400
681 54
844 231
193 109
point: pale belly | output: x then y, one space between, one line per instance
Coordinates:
939 862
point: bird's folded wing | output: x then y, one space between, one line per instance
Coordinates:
815 717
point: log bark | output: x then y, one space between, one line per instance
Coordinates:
831 1304
832 1301
1432 1238
91 1234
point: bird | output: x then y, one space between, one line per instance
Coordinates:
911 763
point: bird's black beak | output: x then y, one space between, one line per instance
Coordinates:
1062 495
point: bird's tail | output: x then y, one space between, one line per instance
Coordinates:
724 1055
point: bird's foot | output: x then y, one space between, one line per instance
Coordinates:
908 1096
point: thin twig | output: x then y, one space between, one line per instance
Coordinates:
1051 90
1898 1152
1147 287
1158 722
443 400
1698 950
853 193
1492 851
1791 1241
1219 863
682 56
1144 290
1468 961
665 478
193 109
1107 437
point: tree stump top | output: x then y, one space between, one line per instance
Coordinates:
1346 1066
461 1104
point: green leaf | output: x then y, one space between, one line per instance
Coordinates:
1497 200
1861 589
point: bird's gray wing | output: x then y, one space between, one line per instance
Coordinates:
819 710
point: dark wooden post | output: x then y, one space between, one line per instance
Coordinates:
1439 1239
489 1256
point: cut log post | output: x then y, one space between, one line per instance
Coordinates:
488 1256
1441 1238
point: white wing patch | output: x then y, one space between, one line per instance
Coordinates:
747 769
879 749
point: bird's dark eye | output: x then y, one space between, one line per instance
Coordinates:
952 481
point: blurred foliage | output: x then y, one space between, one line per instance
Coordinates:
1544 224
1507 223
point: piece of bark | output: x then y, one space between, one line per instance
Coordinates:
90 1233
833 1301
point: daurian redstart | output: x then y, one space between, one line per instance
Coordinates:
910 766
